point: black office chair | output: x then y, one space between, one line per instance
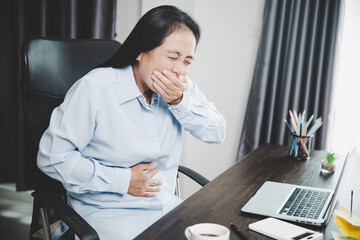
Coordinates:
50 67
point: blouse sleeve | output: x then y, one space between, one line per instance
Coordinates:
199 116
71 128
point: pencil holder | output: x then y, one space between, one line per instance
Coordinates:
300 146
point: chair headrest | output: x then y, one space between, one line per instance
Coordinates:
52 66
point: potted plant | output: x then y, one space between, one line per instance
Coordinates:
327 164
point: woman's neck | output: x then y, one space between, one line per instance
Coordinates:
144 89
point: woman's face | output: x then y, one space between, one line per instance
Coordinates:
175 55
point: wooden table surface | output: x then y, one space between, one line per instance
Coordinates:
220 200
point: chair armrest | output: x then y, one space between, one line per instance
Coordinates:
81 228
194 175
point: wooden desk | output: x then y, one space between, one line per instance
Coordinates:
220 200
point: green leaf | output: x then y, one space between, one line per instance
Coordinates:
330 157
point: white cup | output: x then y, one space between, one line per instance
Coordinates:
207 231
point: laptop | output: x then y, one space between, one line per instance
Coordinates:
296 203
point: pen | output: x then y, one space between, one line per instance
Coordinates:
351 203
295 115
309 121
287 124
297 133
238 232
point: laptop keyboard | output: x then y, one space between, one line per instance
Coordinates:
305 203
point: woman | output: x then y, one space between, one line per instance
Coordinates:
115 141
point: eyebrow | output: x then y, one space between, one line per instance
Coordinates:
178 53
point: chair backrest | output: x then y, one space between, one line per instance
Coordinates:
50 68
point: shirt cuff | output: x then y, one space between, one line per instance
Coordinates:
181 110
121 181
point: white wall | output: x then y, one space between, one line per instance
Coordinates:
223 69
128 12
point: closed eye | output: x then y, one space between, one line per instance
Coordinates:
187 60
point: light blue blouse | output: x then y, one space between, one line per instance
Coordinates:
103 127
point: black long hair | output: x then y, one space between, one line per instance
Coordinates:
150 32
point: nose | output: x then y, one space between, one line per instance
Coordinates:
179 68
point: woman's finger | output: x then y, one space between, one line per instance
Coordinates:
173 78
163 79
154 182
161 85
152 173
